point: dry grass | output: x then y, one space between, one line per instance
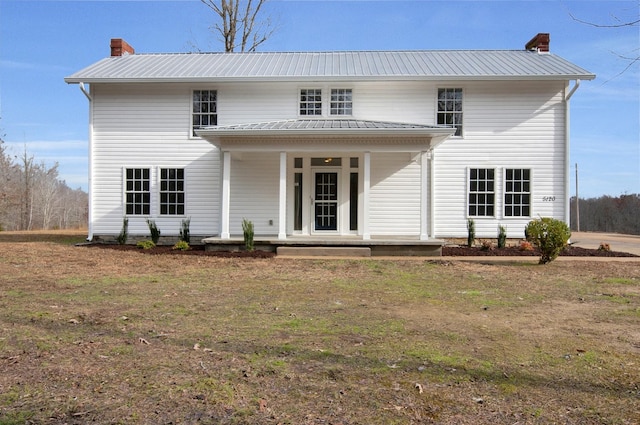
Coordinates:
102 336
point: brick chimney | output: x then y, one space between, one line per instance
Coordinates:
539 43
119 47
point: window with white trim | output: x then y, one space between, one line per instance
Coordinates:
341 102
450 108
204 111
482 192
137 191
171 191
310 102
517 192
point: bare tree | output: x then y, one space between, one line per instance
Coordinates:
10 178
617 22
33 197
240 27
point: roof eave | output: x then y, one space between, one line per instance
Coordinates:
333 132
318 78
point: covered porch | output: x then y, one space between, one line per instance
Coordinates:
328 182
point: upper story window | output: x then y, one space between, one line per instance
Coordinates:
517 192
341 102
204 110
450 109
137 191
310 102
172 191
482 192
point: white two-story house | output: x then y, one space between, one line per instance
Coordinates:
353 145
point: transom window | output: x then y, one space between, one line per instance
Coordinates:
450 109
204 109
171 191
137 191
517 193
341 102
310 102
481 192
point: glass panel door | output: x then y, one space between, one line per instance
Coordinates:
325 201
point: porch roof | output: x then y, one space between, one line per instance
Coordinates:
305 129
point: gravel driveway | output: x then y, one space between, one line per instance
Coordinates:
617 242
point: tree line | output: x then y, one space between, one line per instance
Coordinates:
607 214
33 197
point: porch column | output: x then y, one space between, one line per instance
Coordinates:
226 196
282 205
366 177
424 197
432 205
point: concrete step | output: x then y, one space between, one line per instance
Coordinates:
323 251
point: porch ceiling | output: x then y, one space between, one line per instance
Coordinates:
333 134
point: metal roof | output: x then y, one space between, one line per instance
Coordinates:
427 135
346 65
327 124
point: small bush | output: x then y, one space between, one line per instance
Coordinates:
549 235
525 246
604 247
124 233
146 244
502 237
155 232
181 246
247 232
471 232
185 235
487 246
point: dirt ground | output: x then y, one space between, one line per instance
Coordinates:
91 335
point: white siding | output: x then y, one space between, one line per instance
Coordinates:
506 125
147 126
395 195
254 192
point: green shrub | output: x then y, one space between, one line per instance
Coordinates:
146 244
155 232
502 237
185 235
247 232
181 246
549 235
124 233
471 232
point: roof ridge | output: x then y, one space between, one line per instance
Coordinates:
307 52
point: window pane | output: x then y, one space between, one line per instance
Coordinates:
481 192
341 102
137 196
204 109
517 198
172 197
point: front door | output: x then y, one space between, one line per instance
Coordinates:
325 202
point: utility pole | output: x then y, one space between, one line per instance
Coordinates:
577 202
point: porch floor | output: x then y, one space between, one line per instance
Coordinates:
333 245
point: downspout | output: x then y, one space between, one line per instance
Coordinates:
90 171
567 152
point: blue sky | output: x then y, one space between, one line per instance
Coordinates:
41 42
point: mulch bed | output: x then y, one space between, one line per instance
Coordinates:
513 251
452 251
193 250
